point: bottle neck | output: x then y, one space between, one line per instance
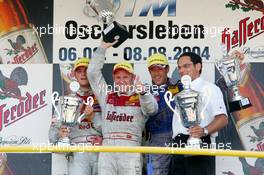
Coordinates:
12 15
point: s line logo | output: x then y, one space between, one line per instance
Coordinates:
157 6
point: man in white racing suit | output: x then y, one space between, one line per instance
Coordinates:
89 131
124 113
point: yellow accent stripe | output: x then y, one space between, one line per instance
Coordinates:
142 149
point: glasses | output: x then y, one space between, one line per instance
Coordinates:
186 66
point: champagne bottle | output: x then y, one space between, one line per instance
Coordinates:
250 122
19 42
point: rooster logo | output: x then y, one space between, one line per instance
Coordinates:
9 87
255 4
259 133
246 5
17 46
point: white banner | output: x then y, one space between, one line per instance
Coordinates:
169 26
25 108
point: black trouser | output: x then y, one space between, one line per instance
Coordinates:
191 165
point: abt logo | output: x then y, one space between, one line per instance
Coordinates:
157 6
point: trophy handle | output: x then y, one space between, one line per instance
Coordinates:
90 8
55 98
224 50
89 101
218 65
168 99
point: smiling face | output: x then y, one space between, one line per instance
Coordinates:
187 67
123 79
159 74
81 76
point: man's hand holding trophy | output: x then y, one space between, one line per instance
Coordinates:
105 11
188 108
68 109
229 68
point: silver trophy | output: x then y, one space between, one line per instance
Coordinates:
68 109
105 11
188 108
229 68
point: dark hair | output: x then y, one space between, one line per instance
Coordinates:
195 59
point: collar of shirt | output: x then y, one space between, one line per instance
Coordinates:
89 92
128 93
165 85
196 83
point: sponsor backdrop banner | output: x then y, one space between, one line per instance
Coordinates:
67 31
169 26
25 105
249 124
25 27
25 110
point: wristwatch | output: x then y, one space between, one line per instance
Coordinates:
205 131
